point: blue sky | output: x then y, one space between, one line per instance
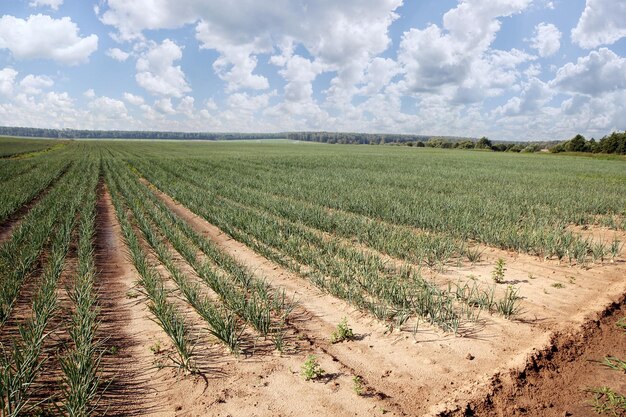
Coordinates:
508 69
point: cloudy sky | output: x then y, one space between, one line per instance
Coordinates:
508 69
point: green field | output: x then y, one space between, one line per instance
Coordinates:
330 213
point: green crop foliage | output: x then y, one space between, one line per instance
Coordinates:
498 271
342 332
607 402
311 369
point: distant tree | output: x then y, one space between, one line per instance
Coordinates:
576 144
484 143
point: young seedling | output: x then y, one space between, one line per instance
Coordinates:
498 271
557 285
357 385
311 369
621 323
342 332
156 348
616 247
614 363
608 402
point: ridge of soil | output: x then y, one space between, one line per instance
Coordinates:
556 379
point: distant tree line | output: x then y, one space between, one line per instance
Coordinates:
614 143
130 134
356 138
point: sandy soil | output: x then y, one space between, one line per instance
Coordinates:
499 368
430 373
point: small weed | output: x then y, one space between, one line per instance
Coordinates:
113 350
606 401
357 385
156 348
621 323
132 294
311 368
498 271
557 285
572 280
342 332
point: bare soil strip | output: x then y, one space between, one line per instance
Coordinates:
14 220
132 386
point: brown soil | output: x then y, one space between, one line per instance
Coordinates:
415 372
556 380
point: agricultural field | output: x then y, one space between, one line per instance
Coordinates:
279 278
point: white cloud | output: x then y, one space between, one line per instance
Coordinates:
248 103
534 95
186 106
599 72
164 106
456 60
107 108
117 54
41 36
33 84
53 4
603 22
89 93
546 39
156 72
133 99
344 36
7 80
299 73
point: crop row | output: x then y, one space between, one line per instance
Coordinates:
362 279
240 292
22 185
513 209
21 362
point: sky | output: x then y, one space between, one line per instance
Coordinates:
506 69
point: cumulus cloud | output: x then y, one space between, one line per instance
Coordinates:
534 95
156 72
53 4
134 99
108 108
7 80
117 54
343 36
34 84
164 106
546 39
599 72
40 36
603 22
456 60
